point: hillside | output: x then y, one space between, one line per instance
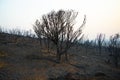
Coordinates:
23 58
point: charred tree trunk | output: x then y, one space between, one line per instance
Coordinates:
48 45
58 54
66 56
100 50
40 42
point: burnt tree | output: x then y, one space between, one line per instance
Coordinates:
114 48
58 28
100 40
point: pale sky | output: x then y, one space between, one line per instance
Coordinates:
103 16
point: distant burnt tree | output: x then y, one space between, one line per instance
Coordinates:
86 44
100 40
58 28
114 48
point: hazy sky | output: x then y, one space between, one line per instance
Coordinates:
103 16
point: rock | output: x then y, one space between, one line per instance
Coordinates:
98 74
71 76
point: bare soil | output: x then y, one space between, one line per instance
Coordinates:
31 62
